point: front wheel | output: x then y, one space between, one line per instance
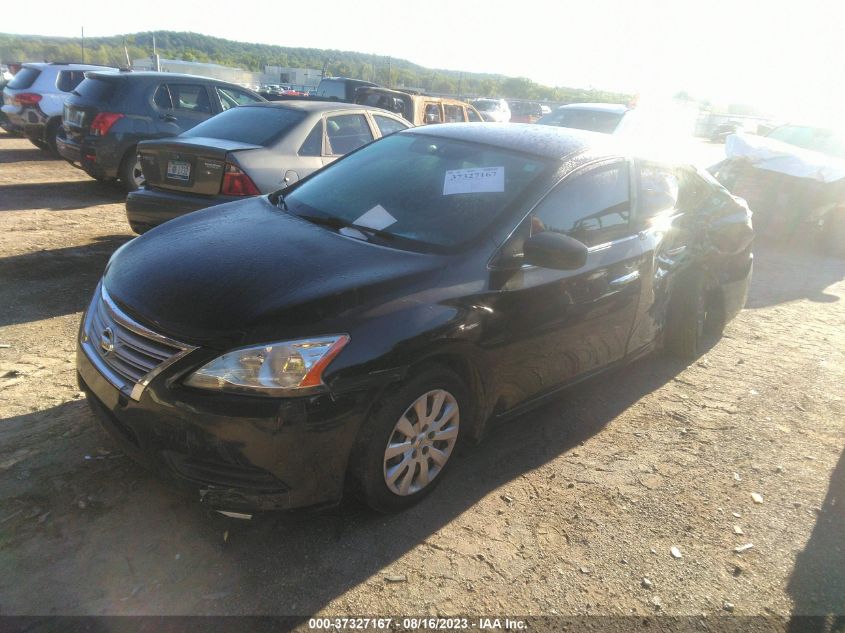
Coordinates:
407 445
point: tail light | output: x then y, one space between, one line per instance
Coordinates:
102 123
237 183
27 98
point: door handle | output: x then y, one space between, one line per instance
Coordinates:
625 279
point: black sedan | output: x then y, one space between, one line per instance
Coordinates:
357 325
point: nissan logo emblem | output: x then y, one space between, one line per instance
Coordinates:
107 341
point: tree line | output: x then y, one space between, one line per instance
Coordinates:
114 50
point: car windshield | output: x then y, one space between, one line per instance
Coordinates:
486 106
583 119
432 191
816 139
254 125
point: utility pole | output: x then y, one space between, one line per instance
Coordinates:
156 61
82 28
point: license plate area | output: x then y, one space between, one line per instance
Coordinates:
178 171
74 116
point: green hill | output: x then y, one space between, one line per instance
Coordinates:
204 48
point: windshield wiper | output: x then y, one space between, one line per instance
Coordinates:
339 223
280 202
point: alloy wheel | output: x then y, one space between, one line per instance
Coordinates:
421 442
138 174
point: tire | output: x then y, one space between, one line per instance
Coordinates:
390 481
693 316
131 175
834 233
50 135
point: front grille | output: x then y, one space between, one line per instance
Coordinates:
128 354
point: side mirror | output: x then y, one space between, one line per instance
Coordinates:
554 250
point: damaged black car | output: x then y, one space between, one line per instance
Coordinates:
351 330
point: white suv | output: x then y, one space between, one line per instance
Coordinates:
33 100
494 110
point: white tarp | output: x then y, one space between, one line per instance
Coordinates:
772 155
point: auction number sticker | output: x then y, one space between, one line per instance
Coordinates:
478 180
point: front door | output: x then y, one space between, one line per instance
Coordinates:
554 326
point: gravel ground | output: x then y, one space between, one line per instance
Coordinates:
734 463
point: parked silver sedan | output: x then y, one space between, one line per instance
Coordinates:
247 151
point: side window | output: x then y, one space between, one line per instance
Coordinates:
69 79
191 97
386 125
658 190
347 132
432 113
594 207
162 98
454 114
231 97
473 116
313 145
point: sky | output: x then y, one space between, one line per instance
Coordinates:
786 58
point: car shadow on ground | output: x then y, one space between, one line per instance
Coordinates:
181 558
808 271
29 154
58 196
35 285
817 583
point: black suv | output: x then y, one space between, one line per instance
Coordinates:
108 114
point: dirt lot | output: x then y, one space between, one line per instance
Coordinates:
572 509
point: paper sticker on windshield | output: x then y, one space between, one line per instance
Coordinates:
376 218
480 180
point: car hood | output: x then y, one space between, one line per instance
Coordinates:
774 155
249 272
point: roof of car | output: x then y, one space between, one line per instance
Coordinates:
66 66
618 108
152 74
540 140
307 105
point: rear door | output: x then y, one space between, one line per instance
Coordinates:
666 197
182 105
558 325
345 133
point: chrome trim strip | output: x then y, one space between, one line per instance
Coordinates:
625 279
121 318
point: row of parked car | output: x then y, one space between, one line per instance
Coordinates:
184 137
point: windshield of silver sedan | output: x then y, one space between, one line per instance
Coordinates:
417 188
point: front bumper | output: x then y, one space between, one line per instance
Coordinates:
146 208
236 452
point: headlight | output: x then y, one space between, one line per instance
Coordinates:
273 369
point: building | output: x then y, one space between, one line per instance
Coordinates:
300 77
215 71
307 77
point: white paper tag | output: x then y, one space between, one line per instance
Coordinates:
376 218
479 180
